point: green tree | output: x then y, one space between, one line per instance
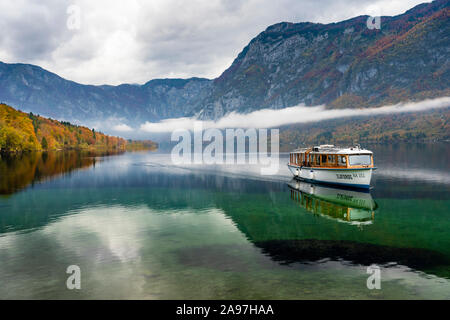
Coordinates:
44 143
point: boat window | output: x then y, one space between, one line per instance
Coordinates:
359 159
331 159
324 159
342 160
317 159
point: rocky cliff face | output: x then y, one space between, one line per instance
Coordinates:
341 64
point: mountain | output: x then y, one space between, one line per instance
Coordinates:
34 89
342 64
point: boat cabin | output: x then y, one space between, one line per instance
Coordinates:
329 156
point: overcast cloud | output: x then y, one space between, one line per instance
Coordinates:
134 41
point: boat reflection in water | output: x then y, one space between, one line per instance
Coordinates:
344 205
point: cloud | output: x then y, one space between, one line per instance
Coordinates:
270 118
122 128
31 30
135 41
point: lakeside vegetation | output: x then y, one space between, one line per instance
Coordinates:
406 128
20 131
141 145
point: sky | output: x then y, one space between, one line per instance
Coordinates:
133 41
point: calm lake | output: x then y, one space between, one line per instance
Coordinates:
141 228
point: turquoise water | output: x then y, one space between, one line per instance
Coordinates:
141 228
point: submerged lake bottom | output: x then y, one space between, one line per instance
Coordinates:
139 227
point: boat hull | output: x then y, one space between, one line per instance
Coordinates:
355 178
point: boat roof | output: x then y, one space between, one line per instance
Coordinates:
331 149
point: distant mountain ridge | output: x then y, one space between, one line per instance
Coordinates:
340 64
32 88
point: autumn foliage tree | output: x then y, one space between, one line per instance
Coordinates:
20 131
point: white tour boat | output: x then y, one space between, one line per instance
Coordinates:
350 166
